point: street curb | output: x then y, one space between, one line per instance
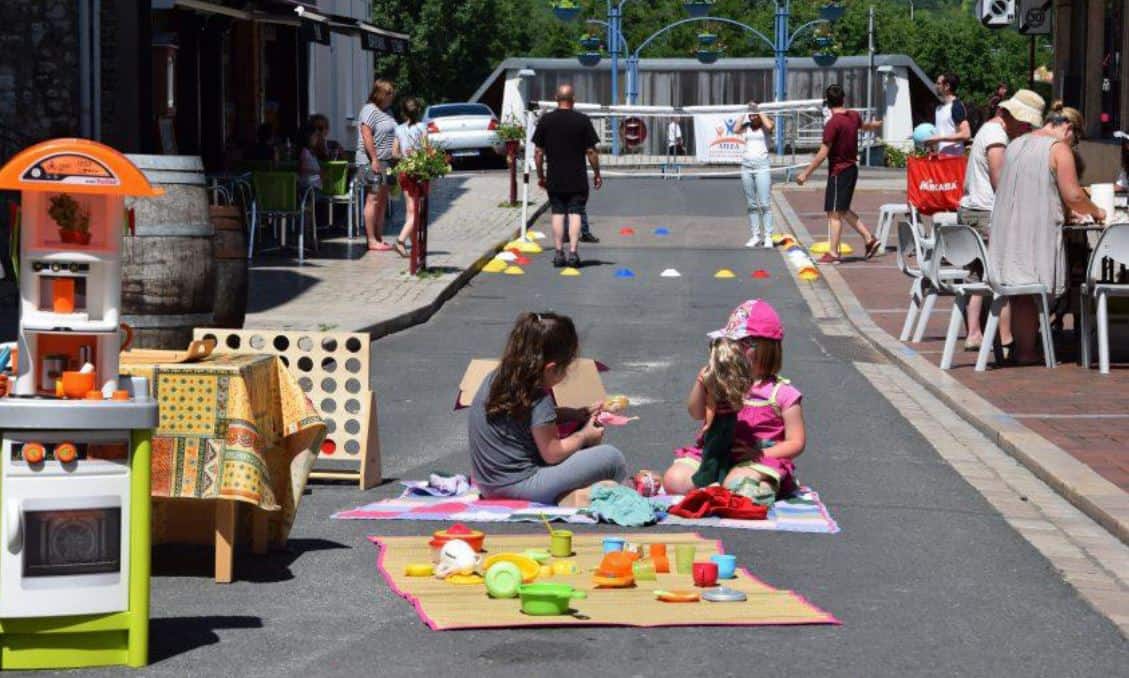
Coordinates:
422 314
1092 494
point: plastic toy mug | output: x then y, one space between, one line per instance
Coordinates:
544 599
644 570
456 557
659 557
684 558
613 544
705 574
726 565
560 543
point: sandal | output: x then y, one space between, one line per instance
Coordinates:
829 259
401 248
380 246
872 248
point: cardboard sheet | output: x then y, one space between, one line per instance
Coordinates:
443 606
581 387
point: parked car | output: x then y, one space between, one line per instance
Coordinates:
465 130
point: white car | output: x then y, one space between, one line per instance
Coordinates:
464 130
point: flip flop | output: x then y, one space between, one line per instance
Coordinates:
380 247
400 248
872 248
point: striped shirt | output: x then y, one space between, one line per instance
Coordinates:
383 128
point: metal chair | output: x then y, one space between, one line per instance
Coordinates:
276 194
337 190
961 247
915 263
1113 244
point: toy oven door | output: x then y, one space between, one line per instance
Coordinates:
64 555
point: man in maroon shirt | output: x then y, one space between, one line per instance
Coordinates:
841 145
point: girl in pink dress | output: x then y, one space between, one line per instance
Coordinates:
768 433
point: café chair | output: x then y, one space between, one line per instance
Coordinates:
915 263
1000 293
888 215
960 247
1113 244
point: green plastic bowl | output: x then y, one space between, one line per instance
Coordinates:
540 555
503 580
546 599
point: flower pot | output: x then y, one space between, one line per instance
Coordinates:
707 39
566 13
588 58
590 43
824 40
707 56
698 8
824 60
832 12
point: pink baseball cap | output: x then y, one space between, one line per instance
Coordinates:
753 318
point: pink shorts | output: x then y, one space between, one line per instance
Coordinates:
781 471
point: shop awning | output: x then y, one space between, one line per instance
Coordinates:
373 39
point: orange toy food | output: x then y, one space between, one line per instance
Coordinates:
678 596
65 453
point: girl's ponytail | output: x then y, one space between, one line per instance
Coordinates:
536 340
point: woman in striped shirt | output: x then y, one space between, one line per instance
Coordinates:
376 131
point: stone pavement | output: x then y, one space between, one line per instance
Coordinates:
1051 420
347 288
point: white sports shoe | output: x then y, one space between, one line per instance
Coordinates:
768 242
754 241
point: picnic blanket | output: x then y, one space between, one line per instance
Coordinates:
802 512
444 606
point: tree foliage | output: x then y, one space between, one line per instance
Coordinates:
455 44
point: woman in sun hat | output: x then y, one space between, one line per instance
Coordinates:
740 390
1014 117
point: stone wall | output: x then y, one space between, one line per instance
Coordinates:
39 74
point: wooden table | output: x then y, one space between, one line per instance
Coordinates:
235 429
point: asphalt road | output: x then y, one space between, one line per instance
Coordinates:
926 578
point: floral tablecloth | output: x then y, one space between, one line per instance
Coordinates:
234 426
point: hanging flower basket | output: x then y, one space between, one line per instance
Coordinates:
588 58
698 8
824 40
832 12
824 59
707 39
590 42
708 56
566 11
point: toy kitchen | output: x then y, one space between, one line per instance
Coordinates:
74 437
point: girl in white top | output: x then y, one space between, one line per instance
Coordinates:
410 135
756 176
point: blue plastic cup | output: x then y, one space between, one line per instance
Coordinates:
726 566
613 544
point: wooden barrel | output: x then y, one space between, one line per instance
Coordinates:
230 248
168 265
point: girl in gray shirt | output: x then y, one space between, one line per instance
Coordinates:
516 451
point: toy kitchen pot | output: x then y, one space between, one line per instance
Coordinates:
74 471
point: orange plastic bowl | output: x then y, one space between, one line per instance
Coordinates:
77 384
616 564
475 538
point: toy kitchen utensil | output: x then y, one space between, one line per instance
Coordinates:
678 596
503 580
726 565
560 543
529 567
705 574
456 557
474 538
724 594
546 599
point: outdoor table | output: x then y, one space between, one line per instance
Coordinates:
234 429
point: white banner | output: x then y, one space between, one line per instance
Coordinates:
717 139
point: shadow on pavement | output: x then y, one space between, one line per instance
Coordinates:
269 288
170 636
198 560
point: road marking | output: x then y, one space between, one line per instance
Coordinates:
1069 416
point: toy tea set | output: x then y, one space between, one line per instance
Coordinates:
456 555
74 437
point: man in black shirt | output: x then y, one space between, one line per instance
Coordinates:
567 137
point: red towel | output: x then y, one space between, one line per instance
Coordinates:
718 501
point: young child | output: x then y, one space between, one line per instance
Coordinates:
741 397
516 451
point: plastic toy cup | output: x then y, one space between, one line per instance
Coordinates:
705 574
684 558
726 565
560 543
644 570
613 544
658 555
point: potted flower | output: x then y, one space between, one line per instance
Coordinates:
705 38
566 10
698 8
511 132
589 58
823 37
421 166
73 220
832 11
707 56
825 59
590 42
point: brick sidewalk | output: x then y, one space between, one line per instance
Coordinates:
1081 411
347 288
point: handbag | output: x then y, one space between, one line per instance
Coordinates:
935 183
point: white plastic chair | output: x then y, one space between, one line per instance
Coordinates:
1000 293
961 247
1113 244
913 262
888 215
